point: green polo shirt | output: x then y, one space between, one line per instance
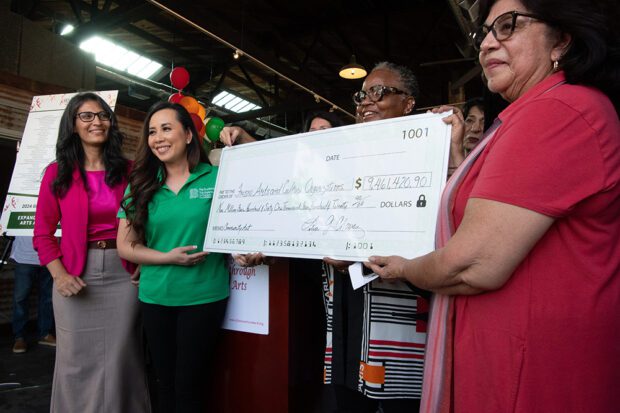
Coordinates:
177 220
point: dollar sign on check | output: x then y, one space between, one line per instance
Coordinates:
358 183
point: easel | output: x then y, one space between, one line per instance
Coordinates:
6 252
4 258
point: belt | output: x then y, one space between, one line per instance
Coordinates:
104 244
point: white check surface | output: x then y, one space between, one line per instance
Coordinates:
347 193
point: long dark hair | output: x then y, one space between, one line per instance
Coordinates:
70 152
330 117
149 173
593 56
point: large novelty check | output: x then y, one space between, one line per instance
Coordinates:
347 193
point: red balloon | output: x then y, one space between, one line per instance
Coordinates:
179 77
175 98
201 133
197 122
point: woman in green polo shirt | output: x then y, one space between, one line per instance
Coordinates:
183 291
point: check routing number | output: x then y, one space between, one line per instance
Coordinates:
347 192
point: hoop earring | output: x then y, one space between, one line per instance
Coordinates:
556 65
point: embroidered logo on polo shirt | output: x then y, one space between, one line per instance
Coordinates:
201 193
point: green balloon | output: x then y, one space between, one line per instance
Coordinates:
214 127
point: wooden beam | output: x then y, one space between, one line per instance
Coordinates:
77 11
108 21
288 106
106 6
234 39
161 43
255 88
469 75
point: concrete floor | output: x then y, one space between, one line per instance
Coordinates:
25 379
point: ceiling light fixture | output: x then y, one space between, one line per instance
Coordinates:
67 28
353 70
117 57
238 53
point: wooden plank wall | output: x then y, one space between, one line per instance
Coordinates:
16 95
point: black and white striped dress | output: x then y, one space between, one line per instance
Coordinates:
376 336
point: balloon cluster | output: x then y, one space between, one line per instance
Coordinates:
179 78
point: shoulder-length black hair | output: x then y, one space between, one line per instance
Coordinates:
593 56
70 152
330 117
149 173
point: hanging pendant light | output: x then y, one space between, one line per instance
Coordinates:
353 70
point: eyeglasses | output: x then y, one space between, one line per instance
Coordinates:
502 27
375 93
90 116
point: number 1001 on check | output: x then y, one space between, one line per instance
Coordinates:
415 133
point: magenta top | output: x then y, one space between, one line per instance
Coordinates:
102 207
72 212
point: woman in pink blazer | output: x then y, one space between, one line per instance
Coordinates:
99 359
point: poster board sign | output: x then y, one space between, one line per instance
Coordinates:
248 305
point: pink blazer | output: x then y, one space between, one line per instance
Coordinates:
72 212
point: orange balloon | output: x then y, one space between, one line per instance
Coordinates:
190 104
202 112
